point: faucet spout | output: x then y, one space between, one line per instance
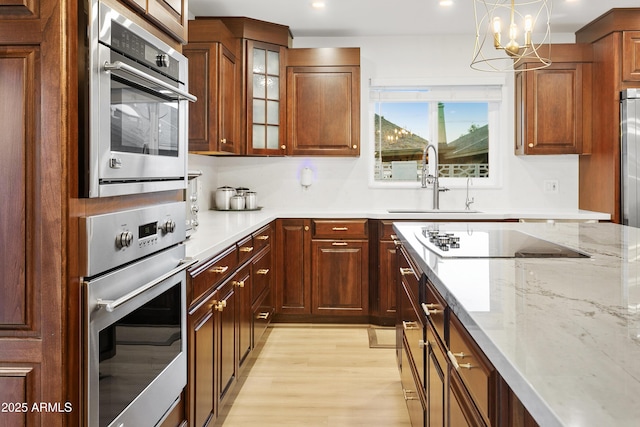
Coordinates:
431 179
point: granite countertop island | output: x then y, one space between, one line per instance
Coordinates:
564 333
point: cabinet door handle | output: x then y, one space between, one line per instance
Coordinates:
263 315
339 244
219 269
406 271
408 326
340 228
355 147
430 309
406 393
284 147
262 271
223 140
454 361
239 283
263 237
246 249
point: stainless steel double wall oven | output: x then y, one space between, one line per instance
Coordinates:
133 115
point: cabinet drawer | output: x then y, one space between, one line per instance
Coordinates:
473 367
409 275
435 309
340 229
261 274
262 314
412 391
213 272
386 231
262 238
246 249
413 332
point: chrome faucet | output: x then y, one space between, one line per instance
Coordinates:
432 179
469 201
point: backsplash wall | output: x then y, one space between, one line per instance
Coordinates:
342 183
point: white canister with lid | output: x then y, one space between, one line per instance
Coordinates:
237 203
223 198
250 200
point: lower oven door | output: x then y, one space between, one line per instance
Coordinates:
136 341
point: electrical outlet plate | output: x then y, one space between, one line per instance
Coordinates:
550 186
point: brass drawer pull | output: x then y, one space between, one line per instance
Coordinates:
454 361
221 305
263 316
408 326
406 393
340 244
430 309
263 271
239 283
406 271
263 237
219 269
340 228
246 249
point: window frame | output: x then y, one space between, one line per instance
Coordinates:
492 90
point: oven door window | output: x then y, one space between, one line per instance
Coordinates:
135 349
142 122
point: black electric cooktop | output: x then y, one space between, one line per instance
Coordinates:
451 243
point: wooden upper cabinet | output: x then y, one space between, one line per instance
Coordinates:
553 104
214 125
170 15
631 56
265 95
323 102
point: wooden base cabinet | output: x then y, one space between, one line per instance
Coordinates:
340 277
220 321
293 266
457 385
322 269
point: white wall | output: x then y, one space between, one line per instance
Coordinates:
343 182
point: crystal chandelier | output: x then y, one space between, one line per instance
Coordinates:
520 18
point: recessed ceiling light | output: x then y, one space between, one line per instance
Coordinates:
318 5
446 2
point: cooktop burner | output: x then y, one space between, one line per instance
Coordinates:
492 244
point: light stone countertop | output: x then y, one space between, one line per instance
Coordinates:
563 333
219 229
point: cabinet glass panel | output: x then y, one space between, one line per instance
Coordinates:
273 87
259 134
266 99
259 111
273 133
259 61
273 108
259 86
273 63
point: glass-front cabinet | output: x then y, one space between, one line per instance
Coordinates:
265 98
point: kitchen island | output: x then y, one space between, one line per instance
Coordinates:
564 333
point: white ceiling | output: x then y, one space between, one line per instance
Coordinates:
348 18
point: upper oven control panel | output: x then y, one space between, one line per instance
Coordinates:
114 239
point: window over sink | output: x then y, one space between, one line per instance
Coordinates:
461 121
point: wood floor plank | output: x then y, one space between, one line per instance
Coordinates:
318 375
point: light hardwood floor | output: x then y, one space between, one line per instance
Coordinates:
318 375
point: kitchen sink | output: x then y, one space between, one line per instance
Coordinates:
432 211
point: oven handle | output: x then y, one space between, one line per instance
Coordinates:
121 66
111 305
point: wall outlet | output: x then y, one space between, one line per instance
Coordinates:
551 186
